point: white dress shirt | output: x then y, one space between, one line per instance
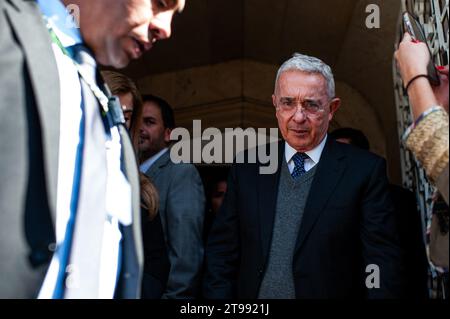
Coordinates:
118 192
313 155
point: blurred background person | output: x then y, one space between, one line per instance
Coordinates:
127 92
182 199
409 224
156 260
217 195
351 136
216 187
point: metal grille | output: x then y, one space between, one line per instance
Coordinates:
433 14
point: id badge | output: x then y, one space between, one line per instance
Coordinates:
115 110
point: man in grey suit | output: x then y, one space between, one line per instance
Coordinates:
69 200
182 199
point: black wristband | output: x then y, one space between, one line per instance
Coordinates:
413 79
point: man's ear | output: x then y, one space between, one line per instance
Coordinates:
274 100
167 132
334 106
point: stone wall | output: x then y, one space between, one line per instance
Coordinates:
238 94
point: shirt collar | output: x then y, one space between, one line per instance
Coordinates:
145 166
61 22
313 154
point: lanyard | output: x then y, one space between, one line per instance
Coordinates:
98 93
111 108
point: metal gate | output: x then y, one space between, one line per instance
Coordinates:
433 14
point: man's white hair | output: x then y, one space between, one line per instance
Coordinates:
309 64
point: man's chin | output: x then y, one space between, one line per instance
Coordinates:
120 63
144 149
117 61
302 146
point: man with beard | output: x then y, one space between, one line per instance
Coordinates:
181 199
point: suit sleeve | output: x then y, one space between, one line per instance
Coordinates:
381 251
222 249
185 215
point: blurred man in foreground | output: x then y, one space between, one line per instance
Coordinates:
70 219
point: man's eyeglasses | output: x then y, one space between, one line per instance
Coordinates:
310 108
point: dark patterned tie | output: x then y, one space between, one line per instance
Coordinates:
299 161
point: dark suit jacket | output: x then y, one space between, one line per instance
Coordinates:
411 238
29 138
156 258
181 207
348 224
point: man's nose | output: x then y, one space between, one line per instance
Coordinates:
160 27
299 115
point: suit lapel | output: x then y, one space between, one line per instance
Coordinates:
44 76
329 171
133 257
154 170
267 199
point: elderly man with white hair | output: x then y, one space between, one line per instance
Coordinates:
322 226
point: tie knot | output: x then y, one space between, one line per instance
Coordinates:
299 158
299 161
